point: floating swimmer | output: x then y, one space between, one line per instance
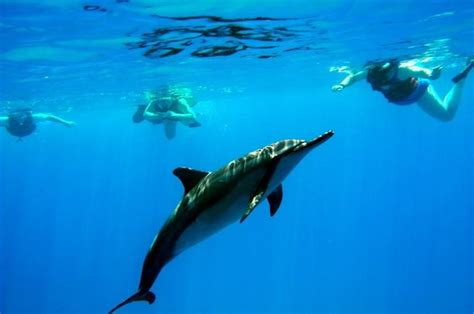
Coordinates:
23 122
169 105
405 84
213 200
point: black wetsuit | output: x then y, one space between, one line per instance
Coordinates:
161 106
21 123
385 80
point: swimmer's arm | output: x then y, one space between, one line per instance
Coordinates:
152 116
169 115
349 80
185 114
41 117
3 121
406 71
148 107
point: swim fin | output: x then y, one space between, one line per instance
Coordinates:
139 115
463 74
195 124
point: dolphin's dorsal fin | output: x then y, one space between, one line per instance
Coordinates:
274 199
189 177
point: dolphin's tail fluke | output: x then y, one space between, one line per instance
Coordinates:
139 296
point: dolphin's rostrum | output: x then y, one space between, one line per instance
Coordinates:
213 200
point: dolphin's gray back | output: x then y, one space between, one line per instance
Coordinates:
220 181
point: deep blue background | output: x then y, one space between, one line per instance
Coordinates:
376 220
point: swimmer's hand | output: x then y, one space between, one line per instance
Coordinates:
159 115
70 124
337 87
435 73
166 115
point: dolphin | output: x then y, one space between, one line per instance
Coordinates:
213 200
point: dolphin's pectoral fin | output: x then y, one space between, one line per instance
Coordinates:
252 204
189 177
274 199
261 190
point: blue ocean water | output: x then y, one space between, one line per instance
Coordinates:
376 220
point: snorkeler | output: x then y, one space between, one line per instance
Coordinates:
168 106
404 84
22 122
